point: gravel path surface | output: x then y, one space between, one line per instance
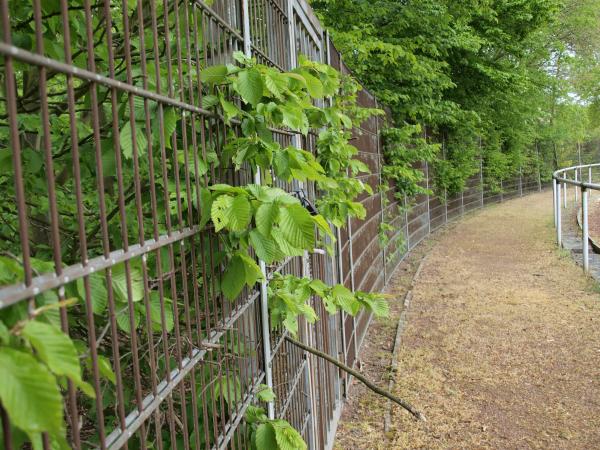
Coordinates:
502 346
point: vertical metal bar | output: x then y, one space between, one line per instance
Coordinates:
565 191
576 187
539 171
406 221
585 227
264 301
520 181
558 216
554 201
427 185
501 190
481 172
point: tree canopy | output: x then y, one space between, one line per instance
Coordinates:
522 76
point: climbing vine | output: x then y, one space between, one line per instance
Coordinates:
250 221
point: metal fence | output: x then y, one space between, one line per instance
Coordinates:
581 179
105 152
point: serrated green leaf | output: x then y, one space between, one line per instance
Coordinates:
313 85
284 245
266 215
155 312
57 350
123 317
99 294
209 101
265 393
219 211
126 140
213 74
323 225
234 278
231 111
287 437
253 272
119 283
255 414
249 85
266 248
240 213
345 299
206 201
169 124
29 393
265 437
297 226
105 369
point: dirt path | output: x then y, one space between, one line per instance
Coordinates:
502 346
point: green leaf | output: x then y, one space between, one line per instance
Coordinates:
29 392
231 111
99 294
213 74
255 414
232 212
219 212
57 350
206 201
119 283
287 437
265 437
284 245
297 226
313 85
265 247
170 124
323 225
126 140
106 370
240 214
250 86
234 278
266 215
155 312
252 270
345 299
123 317
265 393
208 101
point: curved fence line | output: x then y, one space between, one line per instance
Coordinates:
574 176
105 110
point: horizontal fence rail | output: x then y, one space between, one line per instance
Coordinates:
581 179
105 153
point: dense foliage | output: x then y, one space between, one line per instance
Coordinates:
131 167
522 76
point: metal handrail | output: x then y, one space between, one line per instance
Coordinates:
560 181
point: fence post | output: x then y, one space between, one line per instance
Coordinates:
585 228
481 172
520 181
406 221
501 190
264 301
382 216
539 171
445 190
554 200
565 192
576 187
427 181
558 216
